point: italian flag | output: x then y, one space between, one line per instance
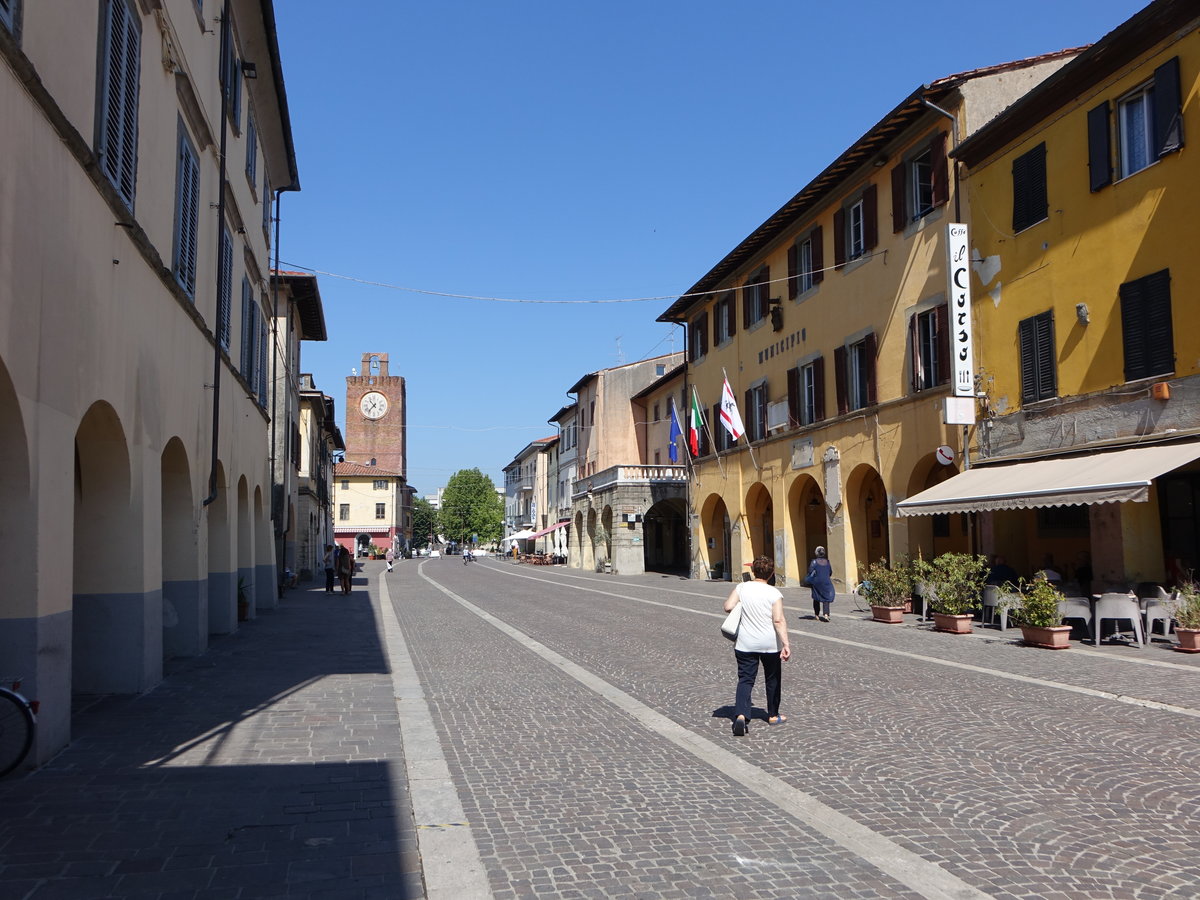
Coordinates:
695 423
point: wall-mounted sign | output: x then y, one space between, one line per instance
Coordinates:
958 269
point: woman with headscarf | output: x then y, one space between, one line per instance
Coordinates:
820 581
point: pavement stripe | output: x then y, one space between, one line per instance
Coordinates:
450 858
918 874
933 660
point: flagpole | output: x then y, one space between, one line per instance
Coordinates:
711 437
753 458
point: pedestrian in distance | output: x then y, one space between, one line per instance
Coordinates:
329 562
345 569
820 582
762 640
390 558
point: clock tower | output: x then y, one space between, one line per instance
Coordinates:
376 416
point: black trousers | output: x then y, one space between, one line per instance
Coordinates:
748 664
329 580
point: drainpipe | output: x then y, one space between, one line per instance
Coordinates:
216 382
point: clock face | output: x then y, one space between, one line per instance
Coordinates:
373 405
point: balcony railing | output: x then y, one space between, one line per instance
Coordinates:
628 475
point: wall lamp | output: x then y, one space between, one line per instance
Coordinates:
249 70
1081 313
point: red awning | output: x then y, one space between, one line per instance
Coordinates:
553 527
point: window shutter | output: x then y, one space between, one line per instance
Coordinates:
731 313
914 340
793 290
1027 338
818 369
870 218
941 169
1099 147
1046 370
119 107
751 421
764 292
1029 188
818 256
1168 112
793 397
187 213
839 238
899 197
1156 303
1133 332
943 344
869 353
718 430
249 332
703 322
839 379
262 363
225 290
747 306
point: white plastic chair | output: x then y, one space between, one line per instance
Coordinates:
1158 610
1076 608
1000 605
1117 608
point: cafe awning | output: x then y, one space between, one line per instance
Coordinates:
553 527
1113 476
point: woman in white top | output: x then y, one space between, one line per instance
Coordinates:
762 638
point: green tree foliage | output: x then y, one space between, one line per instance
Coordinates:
424 522
471 508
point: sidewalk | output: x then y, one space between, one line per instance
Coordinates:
270 766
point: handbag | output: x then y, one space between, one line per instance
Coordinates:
733 621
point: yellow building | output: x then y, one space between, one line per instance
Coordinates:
1083 210
370 508
830 322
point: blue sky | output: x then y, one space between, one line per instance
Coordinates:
538 150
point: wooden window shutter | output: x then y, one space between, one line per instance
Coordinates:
1133 332
731 314
1046 377
839 380
818 255
914 340
764 292
1099 147
793 271
747 306
703 322
718 430
870 218
839 238
1168 112
943 344
793 397
899 197
869 353
1030 204
940 169
1027 339
1160 341
750 419
818 371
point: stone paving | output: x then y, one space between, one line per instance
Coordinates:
272 766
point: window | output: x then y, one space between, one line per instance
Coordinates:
345 485
225 289
720 437
1029 188
381 510
1146 326
380 484
266 207
920 183
656 459
251 315
725 318
855 227
8 14
756 412
655 412
1149 125
660 370
187 213
1036 338
755 296
854 367
262 361
252 152
698 337
117 123
344 511
806 393
231 75
805 264
930 340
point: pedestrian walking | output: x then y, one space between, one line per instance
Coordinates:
762 640
345 569
820 581
329 562
390 557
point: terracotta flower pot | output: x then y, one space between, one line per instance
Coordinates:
1189 640
1052 637
952 624
889 615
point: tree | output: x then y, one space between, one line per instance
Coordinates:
424 522
471 508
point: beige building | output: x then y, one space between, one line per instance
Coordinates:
134 473
320 439
371 508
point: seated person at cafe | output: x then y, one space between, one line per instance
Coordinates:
1083 573
1001 572
1048 571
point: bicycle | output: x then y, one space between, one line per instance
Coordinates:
18 718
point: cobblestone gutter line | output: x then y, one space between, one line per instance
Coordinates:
449 855
923 877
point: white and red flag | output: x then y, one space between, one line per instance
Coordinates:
730 417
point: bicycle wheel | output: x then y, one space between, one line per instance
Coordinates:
16 731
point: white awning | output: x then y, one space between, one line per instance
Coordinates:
1114 476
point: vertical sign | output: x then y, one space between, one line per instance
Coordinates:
958 268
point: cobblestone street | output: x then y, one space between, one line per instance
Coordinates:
568 734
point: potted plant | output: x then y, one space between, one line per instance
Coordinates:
1186 611
887 589
956 580
1037 613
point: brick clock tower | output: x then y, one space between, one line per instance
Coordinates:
376 416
